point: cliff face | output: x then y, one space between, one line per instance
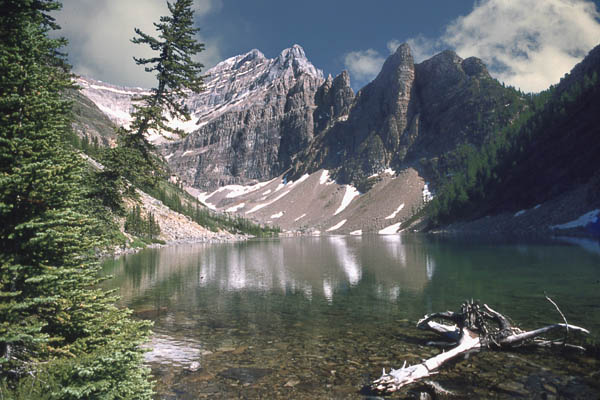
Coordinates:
262 116
259 117
411 115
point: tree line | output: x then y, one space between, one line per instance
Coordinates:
549 147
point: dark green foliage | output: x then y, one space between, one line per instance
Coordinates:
236 224
550 148
139 168
180 201
143 226
52 319
175 71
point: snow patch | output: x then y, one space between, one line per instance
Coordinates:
388 171
427 194
324 179
302 179
114 90
356 233
586 219
263 205
349 195
337 226
202 198
392 215
238 190
300 217
266 192
390 230
278 215
236 207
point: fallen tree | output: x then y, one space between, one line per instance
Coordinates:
474 327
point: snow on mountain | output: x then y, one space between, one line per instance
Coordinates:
232 84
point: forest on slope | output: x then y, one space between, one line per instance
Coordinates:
551 148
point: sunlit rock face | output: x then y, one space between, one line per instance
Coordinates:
255 114
259 119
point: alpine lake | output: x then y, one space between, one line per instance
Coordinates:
319 317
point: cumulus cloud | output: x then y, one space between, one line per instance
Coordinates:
363 65
529 44
99 33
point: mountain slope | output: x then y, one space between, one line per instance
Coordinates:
259 117
549 152
91 122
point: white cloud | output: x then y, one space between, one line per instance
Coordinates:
363 65
529 44
99 33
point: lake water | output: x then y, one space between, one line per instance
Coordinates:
319 317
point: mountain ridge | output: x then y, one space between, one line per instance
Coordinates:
402 135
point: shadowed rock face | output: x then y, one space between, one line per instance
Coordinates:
411 113
333 100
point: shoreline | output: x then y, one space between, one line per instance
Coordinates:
217 238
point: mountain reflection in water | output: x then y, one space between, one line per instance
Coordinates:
313 266
318 317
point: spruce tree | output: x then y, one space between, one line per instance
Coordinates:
176 72
60 336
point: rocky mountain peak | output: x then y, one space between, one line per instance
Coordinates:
397 66
333 100
473 66
342 80
294 60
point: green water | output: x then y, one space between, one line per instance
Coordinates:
320 317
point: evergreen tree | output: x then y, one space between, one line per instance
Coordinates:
53 321
177 75
175 70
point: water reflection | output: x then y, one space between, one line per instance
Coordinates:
312 266
164 349
303 307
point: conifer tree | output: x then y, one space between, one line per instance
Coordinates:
176 72
60 336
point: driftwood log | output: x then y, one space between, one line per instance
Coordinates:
473 328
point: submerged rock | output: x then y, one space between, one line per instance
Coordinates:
245 374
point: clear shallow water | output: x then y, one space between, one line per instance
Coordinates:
320 317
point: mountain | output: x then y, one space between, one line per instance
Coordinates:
262 119
253 116
542 168
90 122
413 115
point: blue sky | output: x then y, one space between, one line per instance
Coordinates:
526 43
